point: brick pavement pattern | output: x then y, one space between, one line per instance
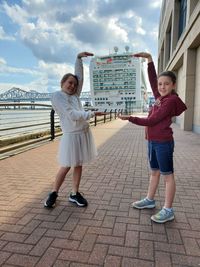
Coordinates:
108 232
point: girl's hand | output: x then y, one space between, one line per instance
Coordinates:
124 117
144 55
84 54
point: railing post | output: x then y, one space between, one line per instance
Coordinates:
52 124
104 118
118 113
95 120
115 113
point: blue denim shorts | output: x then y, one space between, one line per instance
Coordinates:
161 156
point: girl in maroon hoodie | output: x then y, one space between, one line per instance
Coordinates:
160 138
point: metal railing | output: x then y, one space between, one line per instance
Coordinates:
107 116
25 123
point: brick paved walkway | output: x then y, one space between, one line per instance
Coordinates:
108 232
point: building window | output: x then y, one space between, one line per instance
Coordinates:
182 16
168 44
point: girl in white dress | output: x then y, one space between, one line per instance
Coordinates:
77 145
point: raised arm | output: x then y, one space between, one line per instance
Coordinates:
79 69
144 55
151 72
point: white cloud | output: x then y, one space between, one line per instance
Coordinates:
6 86
118 32
4 36
154 34
2 61
39 85
46 32
55 70
156 4
16 13
55 33
7 70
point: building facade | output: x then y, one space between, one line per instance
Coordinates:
117 81
179 51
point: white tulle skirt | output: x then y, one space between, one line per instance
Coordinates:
75 149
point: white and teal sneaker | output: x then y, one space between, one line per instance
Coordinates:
163 216
144 204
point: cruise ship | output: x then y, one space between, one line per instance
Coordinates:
117 81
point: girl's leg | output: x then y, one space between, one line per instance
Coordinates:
60 178
170 189
75 196
153 184
76 178
51 200
166 214
164 152
155 170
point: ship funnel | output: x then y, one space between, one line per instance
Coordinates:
126 48
116 49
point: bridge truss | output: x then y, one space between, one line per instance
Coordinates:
19 95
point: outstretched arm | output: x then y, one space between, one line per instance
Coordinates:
79 69
168 110
151 72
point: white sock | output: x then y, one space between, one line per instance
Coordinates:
149 199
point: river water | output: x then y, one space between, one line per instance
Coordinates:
24 120
18 121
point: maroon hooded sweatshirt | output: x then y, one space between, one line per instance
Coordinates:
160 116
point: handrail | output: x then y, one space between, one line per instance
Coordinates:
18 132
23 104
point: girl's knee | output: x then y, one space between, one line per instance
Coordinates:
155 173
65 169
77 167
169 177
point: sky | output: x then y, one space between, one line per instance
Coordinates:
39 39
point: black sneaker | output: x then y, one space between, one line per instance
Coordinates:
51 200
78 199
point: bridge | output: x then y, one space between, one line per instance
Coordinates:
18 95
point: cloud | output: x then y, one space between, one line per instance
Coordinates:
2 61
4 36
16 13
54 73
95 32
6 86
156 4
89 31
139 26
55 32
46 43
116 7
40 84
7 70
